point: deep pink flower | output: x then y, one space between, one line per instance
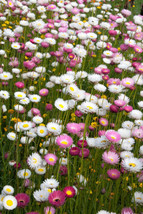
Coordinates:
49 107
69 191
128 108
74 151
57 198
19 84
113 174
22 199
84 153
82 143
114 108
78 113
63 170
113 136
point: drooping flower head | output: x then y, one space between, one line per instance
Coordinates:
49 210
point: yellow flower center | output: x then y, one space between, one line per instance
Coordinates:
71 88
64 142
51 159
34 160
113 137
25 174
19 95
25 126
53 128
69 192
132 164
8 190
89 107
41 131
40 170
9 202
61 105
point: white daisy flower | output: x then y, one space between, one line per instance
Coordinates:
42 131
34 160
138 198
34 98
132 164
61 104
19 95
54 128
25 126
51 183
8 190
24 173
11 136
9 202
37 119
15 45
41 195
40 170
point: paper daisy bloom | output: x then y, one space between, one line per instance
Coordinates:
22 199
57 198
41 195
61 104
132 164
9 202
34 160
113 136
113 173
54 128
64 141
138 198
49 210
69 191
73 128
24 173
110 157
42 131
8 190
51 159
19 95
25 126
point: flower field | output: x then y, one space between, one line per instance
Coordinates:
71 107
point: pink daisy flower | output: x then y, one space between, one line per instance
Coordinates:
64 141
73 128
57 198
110 157
51 159
49 210
113 136
103 121
128 82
